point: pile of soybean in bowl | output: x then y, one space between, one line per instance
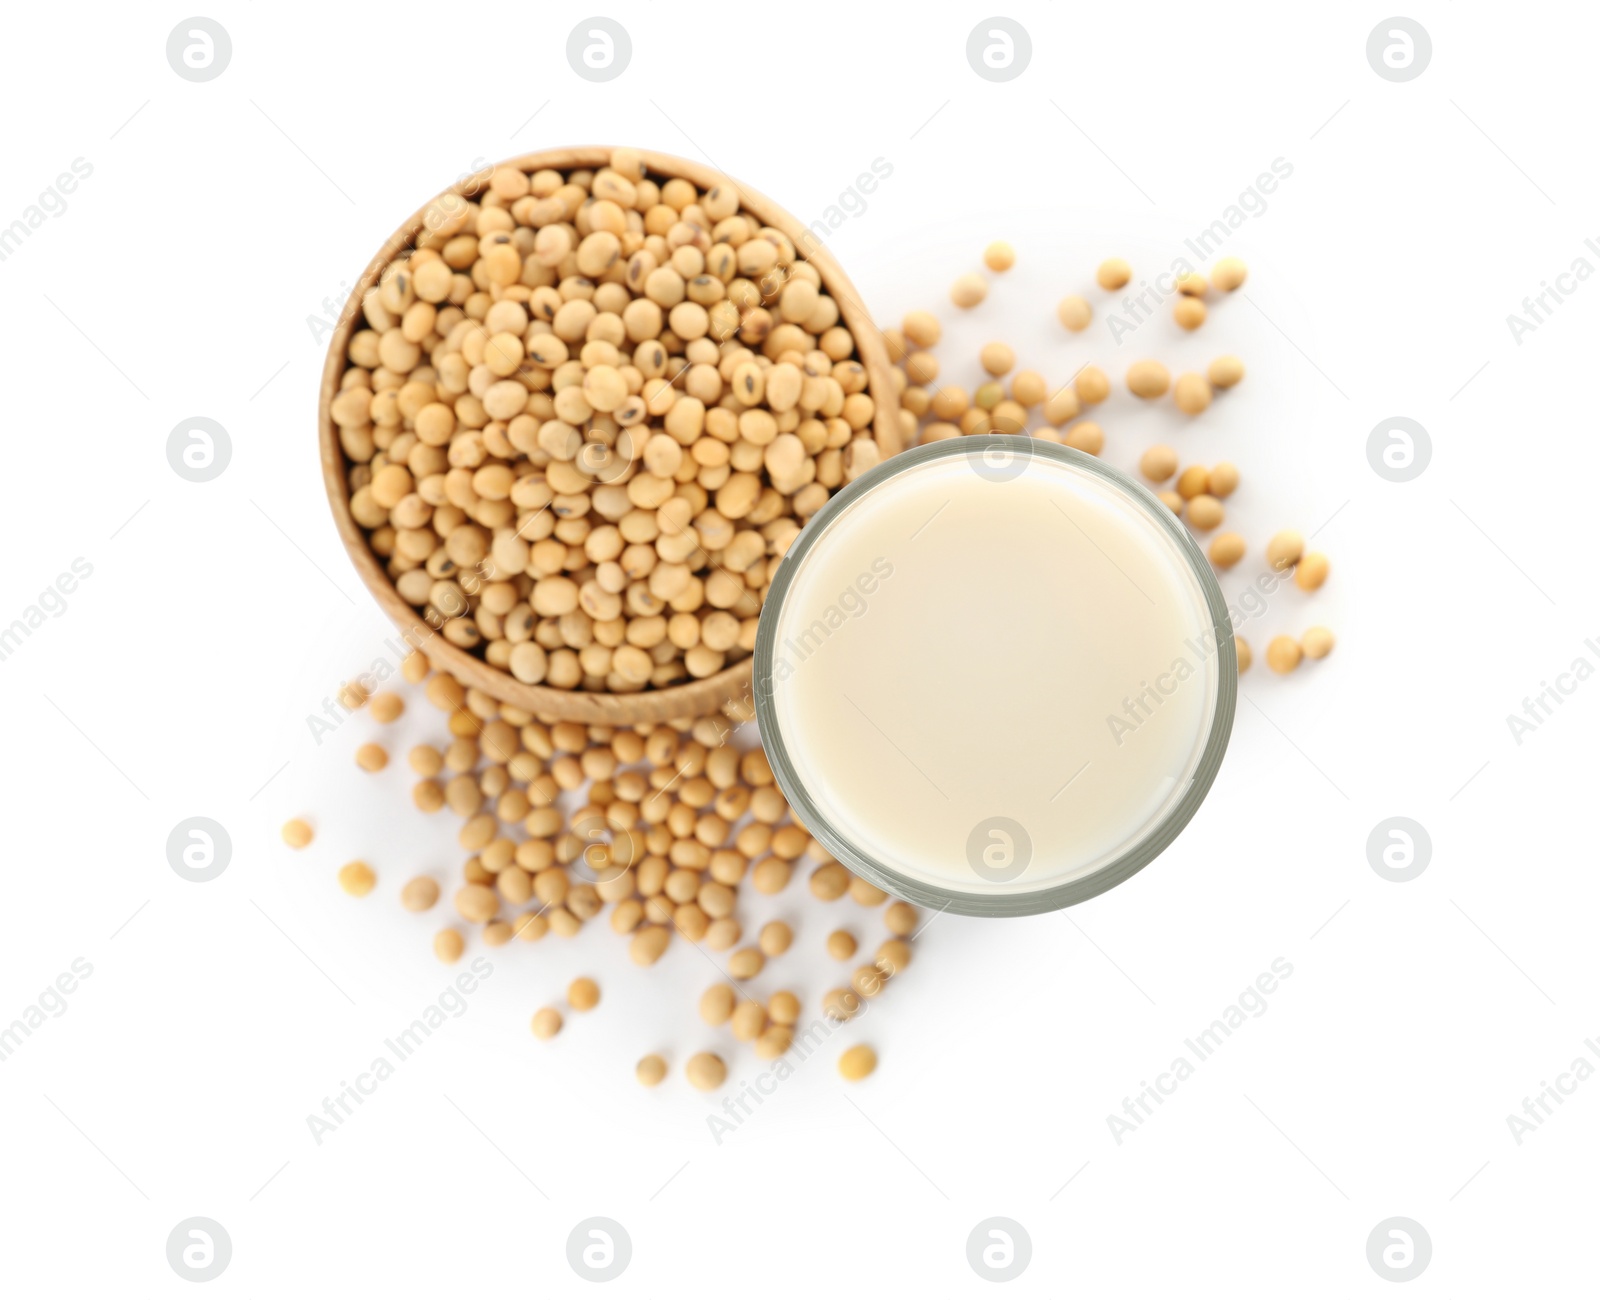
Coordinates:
585 415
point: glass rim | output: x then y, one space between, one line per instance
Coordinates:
977 903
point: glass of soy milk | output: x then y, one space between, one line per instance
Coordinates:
995 676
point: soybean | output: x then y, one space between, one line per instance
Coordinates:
1283 654
1285 549
1159 464
1225 372
1316 643
999 256
1192 393
419 893
706 1071
856 1063
1113 274
1074 312
969 290
1228 274
1227 549
357 879
583 994
1311 572
1148 379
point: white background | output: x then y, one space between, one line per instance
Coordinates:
180 280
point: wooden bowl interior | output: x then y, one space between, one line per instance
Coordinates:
687 699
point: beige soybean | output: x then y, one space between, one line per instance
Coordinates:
866 893
1285 549
1205 512
1159 463
419 893
647 945
775 938
1311 572
448 945
650 1070
1092 385
1191 392
1148 379
997 358
868 981
1085 436
893 956
1029 388
900 919
357 879
748 1021
583 994
773 1042
1113 274
297 833
1283 654
1225 372
706 1071
746 963
1228 274
546 1023
1316 643
856 1063
1226 550
969 290
921 328
717 1004
1074 313
1193 481
999 256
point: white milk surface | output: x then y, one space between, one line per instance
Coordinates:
960 656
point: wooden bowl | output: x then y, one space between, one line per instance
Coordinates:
688 699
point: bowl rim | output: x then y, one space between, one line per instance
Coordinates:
691 699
